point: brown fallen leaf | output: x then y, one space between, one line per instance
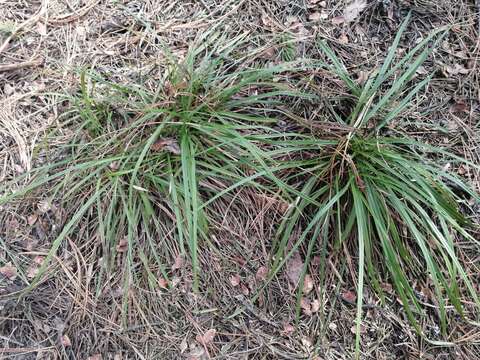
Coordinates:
32 219
207 337
349 296
283 207
262 273
337 20
269 53
343 39
315 305
239 260
122 245
363 329
460 107
306 306
95 357
65 340
245 290
179 262
294 268
287 329
307 284
9 271
42 28
235 280
354 9
170 145
298 29
163 283
169 88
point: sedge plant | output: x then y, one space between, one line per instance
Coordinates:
384 196
143 165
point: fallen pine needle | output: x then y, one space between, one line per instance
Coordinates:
21 65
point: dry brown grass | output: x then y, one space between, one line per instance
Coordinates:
64 318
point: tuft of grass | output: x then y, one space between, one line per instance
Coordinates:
385 198
287 47
143 165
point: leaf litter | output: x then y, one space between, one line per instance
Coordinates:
451 72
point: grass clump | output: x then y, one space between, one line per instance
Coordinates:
379 195
143 165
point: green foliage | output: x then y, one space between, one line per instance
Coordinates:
378 194
142 163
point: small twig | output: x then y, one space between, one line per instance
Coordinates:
21 65
204 4
7 339
34 18
23 350
477 4
73 16
200 23
353 303
247 305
